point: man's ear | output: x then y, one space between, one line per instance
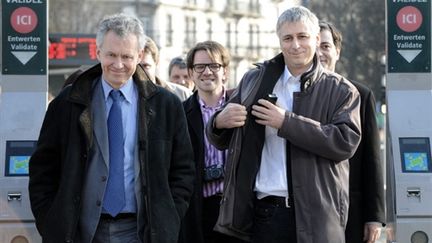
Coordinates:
98 53
225 75
141 55
338 52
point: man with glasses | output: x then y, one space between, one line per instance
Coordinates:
150 62
207 64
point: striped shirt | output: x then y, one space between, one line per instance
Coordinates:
212 156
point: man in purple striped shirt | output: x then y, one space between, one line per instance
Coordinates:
207 64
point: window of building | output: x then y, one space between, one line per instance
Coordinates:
254 44
147 24
209 4
209 29
228 35
169 29
194 31
254 6
190 31
191 2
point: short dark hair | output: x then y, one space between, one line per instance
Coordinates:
336 34
176 61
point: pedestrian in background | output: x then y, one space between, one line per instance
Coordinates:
178 73
366 186
114 161
287 174
150 62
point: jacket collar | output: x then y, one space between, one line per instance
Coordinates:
307 79
310 77
191 103
82 89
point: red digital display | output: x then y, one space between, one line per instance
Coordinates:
72 49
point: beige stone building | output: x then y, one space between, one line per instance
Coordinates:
245 27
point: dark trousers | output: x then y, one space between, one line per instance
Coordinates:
273 223
210 214
123 230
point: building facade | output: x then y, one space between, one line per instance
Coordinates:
245 27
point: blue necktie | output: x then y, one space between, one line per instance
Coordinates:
114 199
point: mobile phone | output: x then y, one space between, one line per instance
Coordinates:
272 98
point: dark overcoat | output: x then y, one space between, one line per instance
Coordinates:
367 195
58 166
191 230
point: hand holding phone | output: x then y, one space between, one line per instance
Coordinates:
272 98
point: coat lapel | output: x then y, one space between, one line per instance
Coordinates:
195 118
100 124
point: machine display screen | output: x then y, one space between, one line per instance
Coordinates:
416 162
18 155
18 165
415 155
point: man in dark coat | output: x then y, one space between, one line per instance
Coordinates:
367 197
71 171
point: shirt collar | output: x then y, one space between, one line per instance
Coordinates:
126 89
287 76
220 101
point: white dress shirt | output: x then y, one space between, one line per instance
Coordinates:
272 178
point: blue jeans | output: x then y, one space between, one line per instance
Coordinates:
273 224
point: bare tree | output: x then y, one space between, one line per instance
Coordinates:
362 24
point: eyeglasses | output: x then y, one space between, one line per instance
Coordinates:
199 68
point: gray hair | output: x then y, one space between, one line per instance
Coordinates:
122 25
298 14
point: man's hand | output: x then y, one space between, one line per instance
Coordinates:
371 232
390 232
233 115
268 114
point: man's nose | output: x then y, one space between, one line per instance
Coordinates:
207 69
118 63
295 43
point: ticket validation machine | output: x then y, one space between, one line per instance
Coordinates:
409 114
410 129
23 102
